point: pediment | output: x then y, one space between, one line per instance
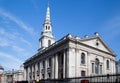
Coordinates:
97 43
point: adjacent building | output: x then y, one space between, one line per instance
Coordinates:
1 73
71 56
118 67
11 76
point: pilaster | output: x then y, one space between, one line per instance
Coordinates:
53 67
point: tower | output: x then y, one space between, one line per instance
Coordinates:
47 37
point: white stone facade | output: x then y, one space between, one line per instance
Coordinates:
65 58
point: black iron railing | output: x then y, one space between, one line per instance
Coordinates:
109 78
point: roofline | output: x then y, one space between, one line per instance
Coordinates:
70 37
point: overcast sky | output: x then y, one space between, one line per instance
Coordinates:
21 23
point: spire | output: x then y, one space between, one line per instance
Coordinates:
48 12
47 26
47 37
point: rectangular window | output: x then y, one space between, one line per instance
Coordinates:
82 73
92 67
100 69
83 58
108 64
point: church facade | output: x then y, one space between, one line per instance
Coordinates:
71 56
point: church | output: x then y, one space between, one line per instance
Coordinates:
71 56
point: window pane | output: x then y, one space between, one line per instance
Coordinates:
107 64
49 42
97 66
92 67
82 73
82 58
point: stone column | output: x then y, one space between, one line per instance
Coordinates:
52 68
56 66
46 69
71 62
31 72
64 64
40 70
28 76
36 69
67 62
25 72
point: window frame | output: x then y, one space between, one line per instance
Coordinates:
83 73
107 64
97 63
101 69
93 67
49 42
82 58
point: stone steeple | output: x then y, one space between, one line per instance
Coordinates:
47 37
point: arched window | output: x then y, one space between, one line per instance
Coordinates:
46 27
108 64
49 42
97 66
83 58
